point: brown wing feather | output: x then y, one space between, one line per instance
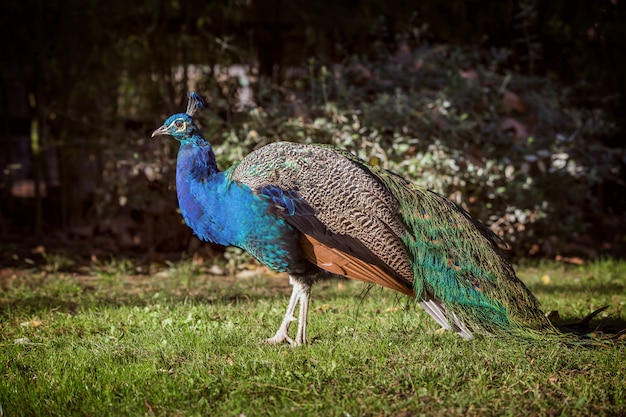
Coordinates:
341 263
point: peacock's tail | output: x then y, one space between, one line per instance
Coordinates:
458 261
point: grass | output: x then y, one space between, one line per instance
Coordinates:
180 342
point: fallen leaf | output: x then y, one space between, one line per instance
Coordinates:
569 260
148 406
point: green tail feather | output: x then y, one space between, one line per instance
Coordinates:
457 260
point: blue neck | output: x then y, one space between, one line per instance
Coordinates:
196 160
199 186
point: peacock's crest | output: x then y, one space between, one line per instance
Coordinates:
195 104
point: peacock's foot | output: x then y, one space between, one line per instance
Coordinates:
282 334
280 338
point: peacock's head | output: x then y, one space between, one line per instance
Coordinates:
181 125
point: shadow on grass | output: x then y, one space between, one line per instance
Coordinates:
606 326
591 322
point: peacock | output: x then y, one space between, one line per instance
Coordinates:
315 211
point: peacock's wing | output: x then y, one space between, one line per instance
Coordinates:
349 222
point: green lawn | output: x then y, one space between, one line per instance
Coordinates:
111 340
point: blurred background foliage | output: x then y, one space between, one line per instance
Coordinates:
514 109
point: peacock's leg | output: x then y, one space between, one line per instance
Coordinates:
300 294
305 295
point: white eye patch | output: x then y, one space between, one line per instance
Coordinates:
178 125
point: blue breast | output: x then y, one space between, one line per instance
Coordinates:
221 211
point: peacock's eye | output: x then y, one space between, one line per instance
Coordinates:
178 124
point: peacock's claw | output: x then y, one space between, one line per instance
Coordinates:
280 338
282 334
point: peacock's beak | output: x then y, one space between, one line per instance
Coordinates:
160 131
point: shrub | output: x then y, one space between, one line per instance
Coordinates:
513 150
